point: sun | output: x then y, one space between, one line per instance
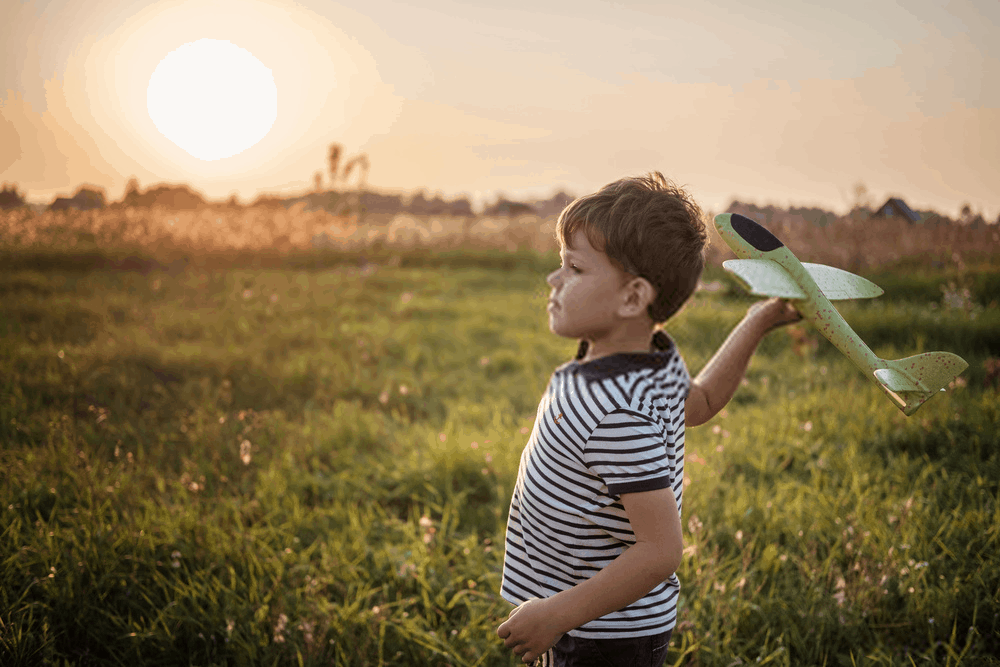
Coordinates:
212 98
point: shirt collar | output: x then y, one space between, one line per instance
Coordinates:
620 363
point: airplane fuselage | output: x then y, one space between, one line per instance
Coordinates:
768 268
751 241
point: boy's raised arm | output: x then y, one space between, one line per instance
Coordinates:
715 385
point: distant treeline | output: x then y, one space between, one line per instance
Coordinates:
770 215
364 202
182 197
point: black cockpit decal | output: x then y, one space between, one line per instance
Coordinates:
754 234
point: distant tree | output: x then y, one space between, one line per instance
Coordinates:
85 199
862 202
554 204
268 201
418 203
373 202
318 181
816 216
505 206
460 206
132 196
965 214
10 197
175 197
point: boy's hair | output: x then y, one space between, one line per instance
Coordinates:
648 227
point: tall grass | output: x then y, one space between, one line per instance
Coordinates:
310 463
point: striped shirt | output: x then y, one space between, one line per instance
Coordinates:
610 426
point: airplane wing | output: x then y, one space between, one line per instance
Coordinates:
838 284
765 277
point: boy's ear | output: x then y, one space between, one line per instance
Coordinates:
638 294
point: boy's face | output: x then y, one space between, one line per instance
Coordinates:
587 291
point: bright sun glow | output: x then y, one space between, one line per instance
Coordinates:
212 98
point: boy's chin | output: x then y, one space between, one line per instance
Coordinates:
562 331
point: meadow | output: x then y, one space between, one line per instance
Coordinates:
284 438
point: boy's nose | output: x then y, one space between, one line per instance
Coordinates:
553 278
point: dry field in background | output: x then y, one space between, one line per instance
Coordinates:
851 243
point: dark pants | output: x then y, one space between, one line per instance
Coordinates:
650 651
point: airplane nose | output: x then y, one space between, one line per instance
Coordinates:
753 233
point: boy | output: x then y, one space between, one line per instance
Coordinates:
594 532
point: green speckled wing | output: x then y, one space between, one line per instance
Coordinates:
837 284
765 277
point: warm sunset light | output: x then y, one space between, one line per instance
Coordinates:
212 98
793 107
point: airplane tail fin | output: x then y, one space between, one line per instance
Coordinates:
911 381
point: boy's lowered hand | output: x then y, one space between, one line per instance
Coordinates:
529 631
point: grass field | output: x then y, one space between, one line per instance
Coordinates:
309 460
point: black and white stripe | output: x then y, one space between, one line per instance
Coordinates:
611 426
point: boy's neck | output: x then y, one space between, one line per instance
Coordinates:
634 337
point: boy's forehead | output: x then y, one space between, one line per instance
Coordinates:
580 244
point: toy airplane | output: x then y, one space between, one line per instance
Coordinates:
767 268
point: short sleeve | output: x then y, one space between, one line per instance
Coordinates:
627 451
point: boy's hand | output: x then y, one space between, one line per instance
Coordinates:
773 313
529 631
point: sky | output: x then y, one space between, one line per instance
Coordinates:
783 103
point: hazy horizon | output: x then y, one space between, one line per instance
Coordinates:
768 104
